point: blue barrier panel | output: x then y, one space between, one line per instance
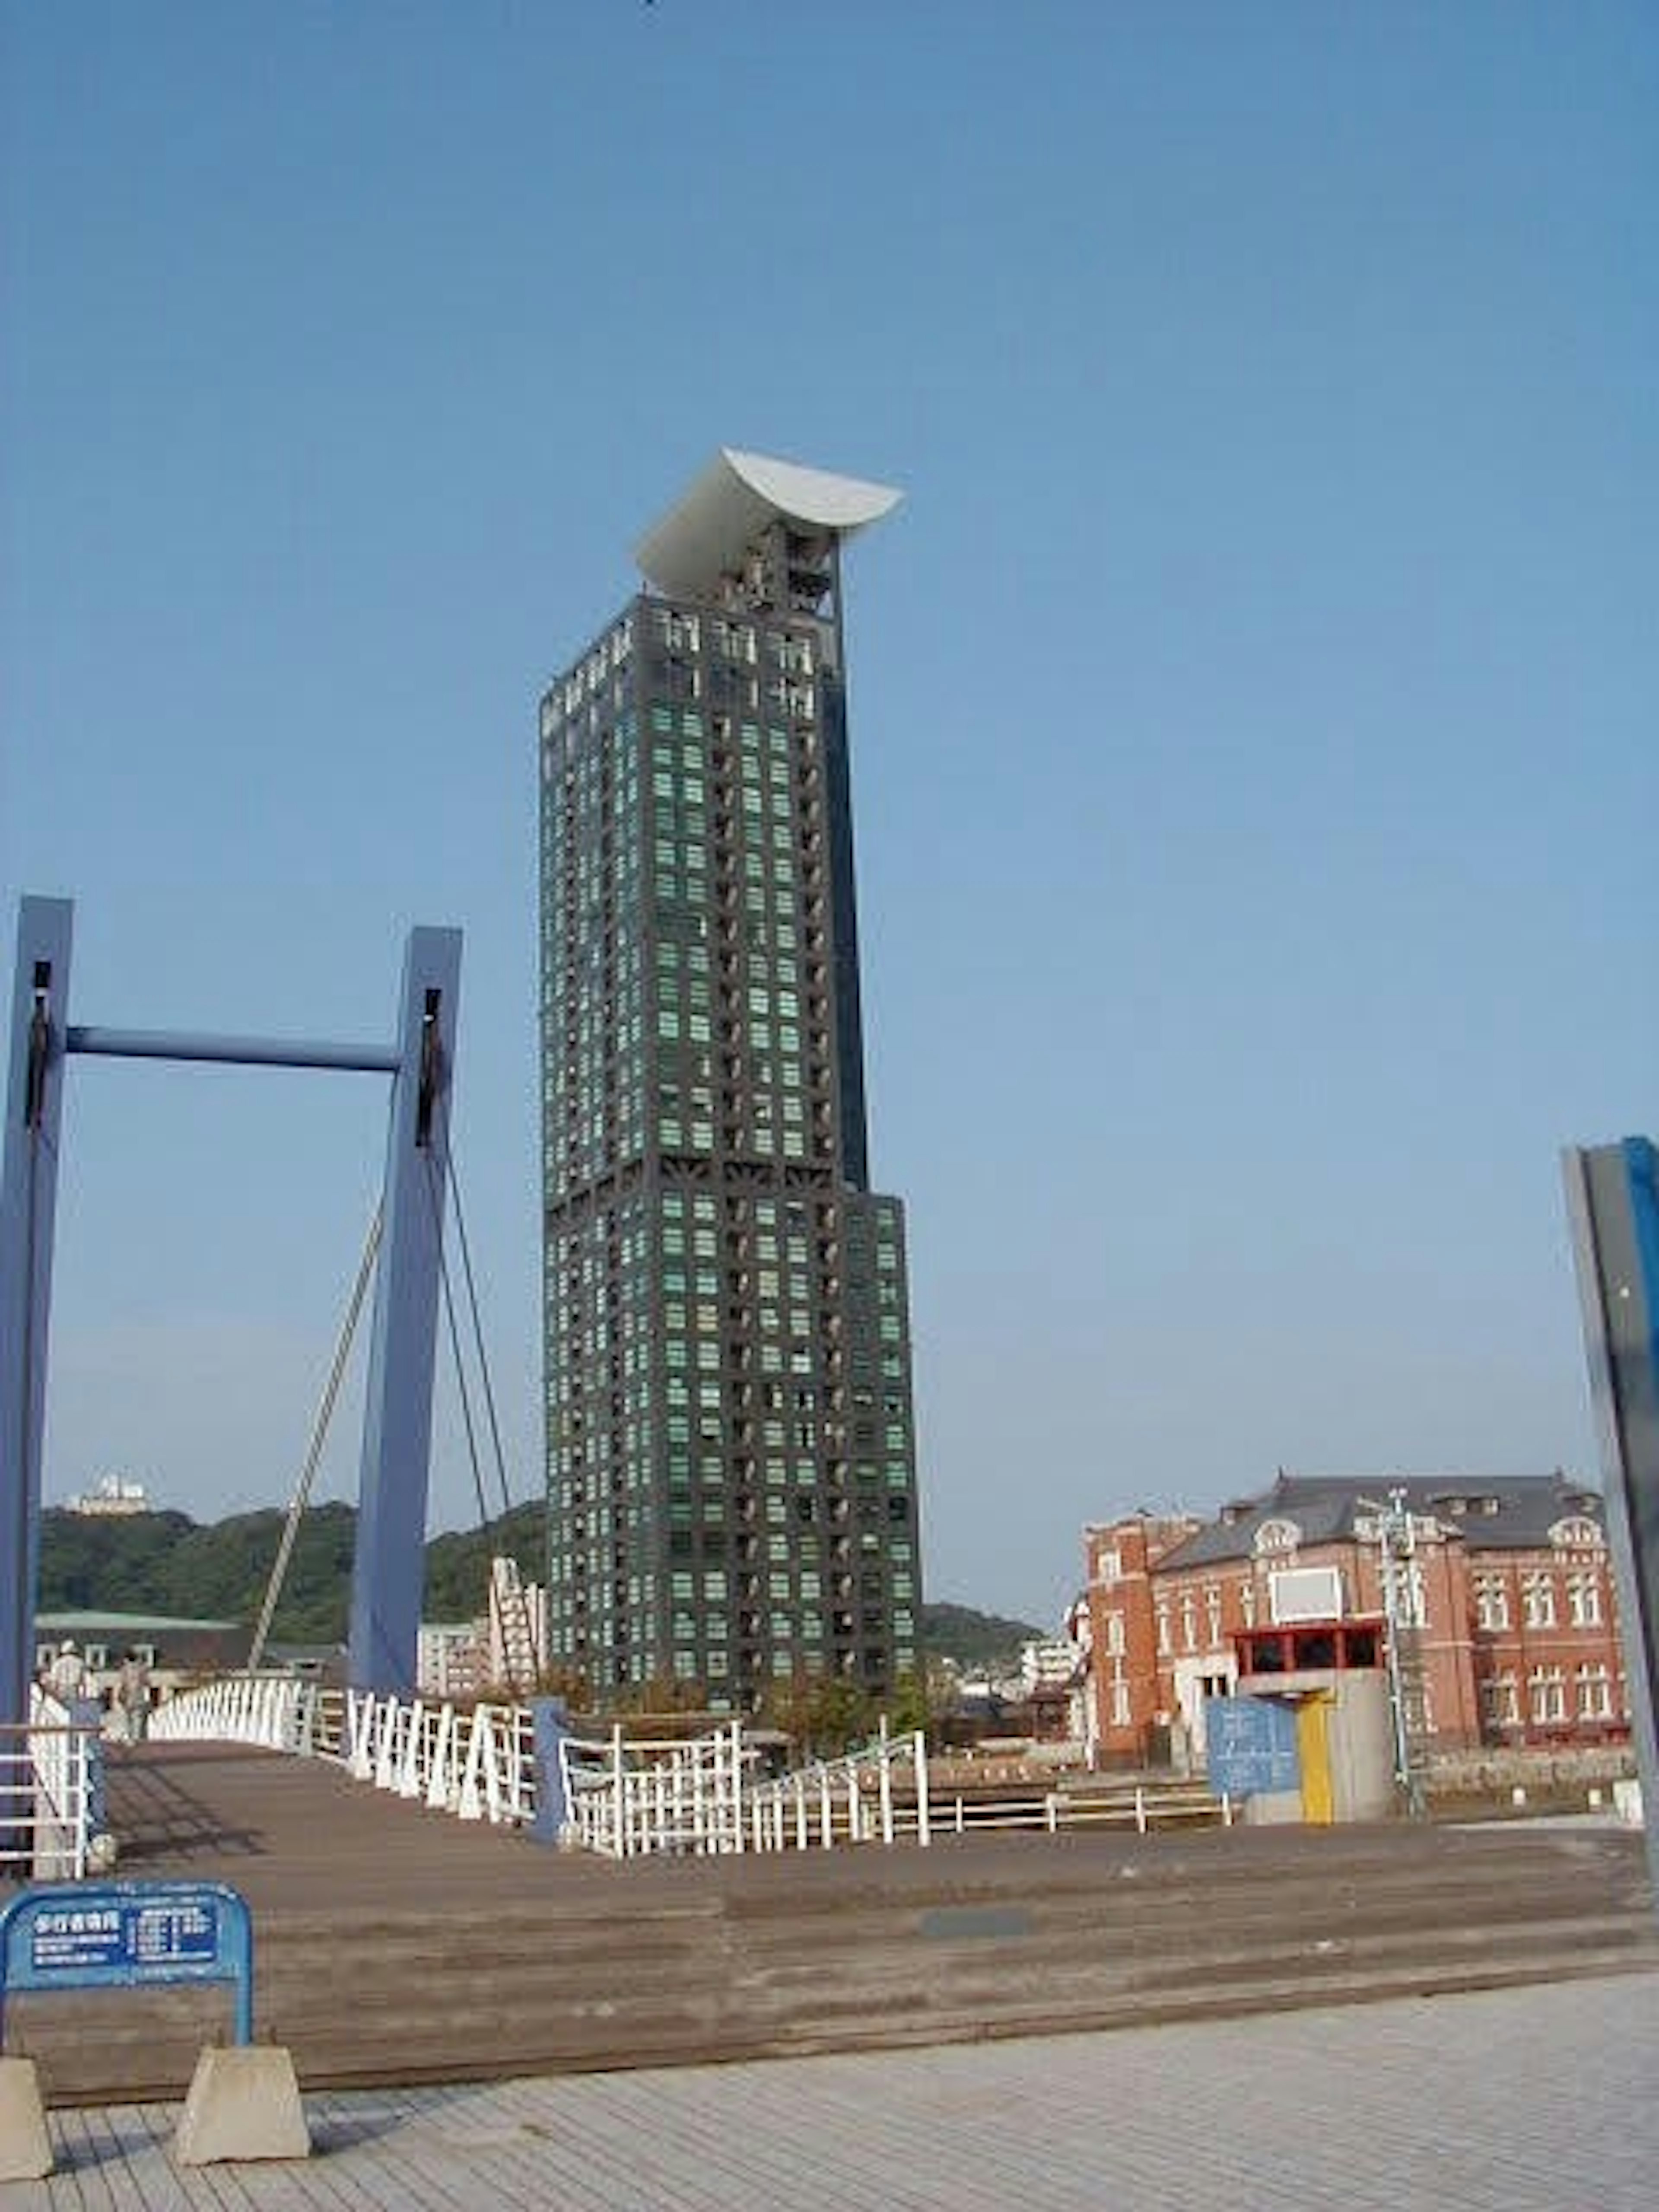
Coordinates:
127 1934
552 1725
1249 1745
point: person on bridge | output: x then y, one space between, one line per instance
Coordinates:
131 1699
66 1676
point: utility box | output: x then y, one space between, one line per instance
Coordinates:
1328 1679
1345 1741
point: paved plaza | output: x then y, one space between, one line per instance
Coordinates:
1536 2099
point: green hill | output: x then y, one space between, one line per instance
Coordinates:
974 1639
458 1566
166 1563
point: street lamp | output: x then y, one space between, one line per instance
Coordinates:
1396 1546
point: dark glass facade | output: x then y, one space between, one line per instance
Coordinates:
731 1460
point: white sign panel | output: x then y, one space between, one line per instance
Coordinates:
1305 1593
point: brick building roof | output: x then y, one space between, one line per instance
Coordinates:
1489 1512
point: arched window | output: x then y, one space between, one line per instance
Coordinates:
1276 1537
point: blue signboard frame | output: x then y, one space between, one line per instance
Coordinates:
1250 1745
127 1934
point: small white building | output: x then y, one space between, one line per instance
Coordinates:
502 1654
114 1497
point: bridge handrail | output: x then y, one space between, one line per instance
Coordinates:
46 1791
278 1712
477 1763
629 1796
1142 1807
853 1799
624 1796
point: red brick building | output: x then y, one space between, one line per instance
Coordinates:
1505 1589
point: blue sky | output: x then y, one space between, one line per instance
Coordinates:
1253 698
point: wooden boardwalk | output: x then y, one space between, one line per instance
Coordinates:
398 1946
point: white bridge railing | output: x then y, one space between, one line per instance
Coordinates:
628 1798
47 1792
475 1762
623 1797
280 1713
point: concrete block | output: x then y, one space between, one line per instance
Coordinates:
244 2103
25 2146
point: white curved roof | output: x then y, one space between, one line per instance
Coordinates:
705 533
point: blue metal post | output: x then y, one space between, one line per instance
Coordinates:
1613 1207
388 1570
550 1722
28 1209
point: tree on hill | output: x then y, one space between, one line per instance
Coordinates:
974 1639
89 1562
166 1563
458 1565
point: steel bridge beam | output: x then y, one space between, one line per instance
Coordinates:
232 1051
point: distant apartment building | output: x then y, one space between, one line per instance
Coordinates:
731 1462
452 1661
1503 1595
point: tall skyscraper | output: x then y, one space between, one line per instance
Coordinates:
731 1454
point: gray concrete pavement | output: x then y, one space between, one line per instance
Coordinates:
1535 2100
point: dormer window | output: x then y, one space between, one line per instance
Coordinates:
1276 1537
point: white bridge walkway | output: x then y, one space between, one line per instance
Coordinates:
618 1794
625 1796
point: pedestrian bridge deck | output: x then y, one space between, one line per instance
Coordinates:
396 1945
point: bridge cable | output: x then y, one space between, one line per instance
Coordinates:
453 1181
487 1390
465 1395
319 1436
526 1628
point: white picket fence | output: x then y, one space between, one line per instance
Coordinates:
624 1797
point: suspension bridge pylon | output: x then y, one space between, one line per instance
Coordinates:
389 1565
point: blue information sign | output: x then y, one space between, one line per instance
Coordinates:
1250 1745
127 1934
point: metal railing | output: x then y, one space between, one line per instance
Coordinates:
279 1712
624 1797
632 1797
477 1763
878 1794
48 1778
1140 1806
628 1798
